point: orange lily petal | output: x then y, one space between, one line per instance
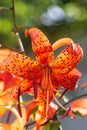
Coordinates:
84 85
9 97
68 59
5 126
2 112
32 105
18 64
43 98
8 79
10 92
52 110
41 46
26 86
79 105
69 80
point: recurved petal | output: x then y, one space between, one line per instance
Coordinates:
18 64
69 80
80 105
68 59
41 46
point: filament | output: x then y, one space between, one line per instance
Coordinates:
54 95
47 103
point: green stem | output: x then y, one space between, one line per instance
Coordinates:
15 29
14 20
29 124
65 104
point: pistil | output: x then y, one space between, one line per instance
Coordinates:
45 78
61 42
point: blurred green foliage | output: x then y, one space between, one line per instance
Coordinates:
57 18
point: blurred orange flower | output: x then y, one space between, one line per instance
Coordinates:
80 105
18 123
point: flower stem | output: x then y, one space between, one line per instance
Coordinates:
80 96
15 29
61 42
65 104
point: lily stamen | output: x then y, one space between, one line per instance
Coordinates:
59 103
51 86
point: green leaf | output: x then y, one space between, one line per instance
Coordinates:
24 128
78 114
34 112
53 125
61 111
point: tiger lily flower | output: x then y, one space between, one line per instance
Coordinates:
54 72
45 74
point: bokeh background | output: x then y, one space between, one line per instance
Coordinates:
57 19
